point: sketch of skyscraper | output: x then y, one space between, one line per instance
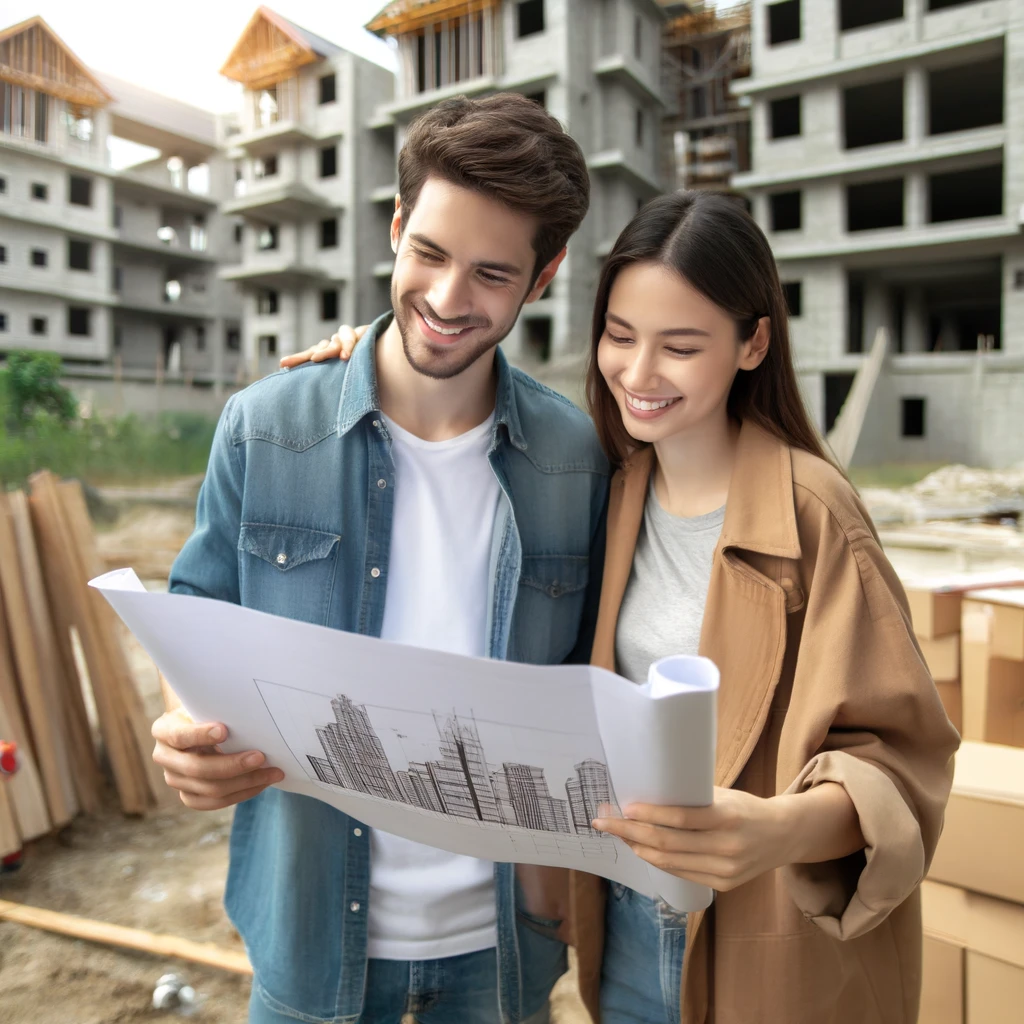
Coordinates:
463 752
460 782
587 792
356 753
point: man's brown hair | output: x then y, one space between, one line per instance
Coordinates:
508 148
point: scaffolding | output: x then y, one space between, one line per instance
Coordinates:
707 129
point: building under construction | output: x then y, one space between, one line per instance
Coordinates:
706 129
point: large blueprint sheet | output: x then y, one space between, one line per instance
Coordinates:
490 759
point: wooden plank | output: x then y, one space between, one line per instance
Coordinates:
71 753
127 938
25 788
88 775
10 837
57 537
135 713
46 738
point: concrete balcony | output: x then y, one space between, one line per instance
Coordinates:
280 274
270 138
182 311
290 201
617 68
146 188
166 253
615 161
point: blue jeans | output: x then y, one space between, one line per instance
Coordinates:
455 990
643 959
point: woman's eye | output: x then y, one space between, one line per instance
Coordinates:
618 340
684 351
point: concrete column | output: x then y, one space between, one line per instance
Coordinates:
915 109
915 321
915 214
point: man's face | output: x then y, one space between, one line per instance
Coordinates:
463 267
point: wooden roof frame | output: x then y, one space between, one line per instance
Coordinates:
94 95
405 16
257 71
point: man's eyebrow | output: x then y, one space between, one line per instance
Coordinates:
502 268
669 332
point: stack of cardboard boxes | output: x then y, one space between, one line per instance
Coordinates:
973 899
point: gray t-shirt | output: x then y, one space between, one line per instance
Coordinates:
663 608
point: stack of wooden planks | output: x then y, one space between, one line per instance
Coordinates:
59 654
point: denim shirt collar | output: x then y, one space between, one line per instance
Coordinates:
359 396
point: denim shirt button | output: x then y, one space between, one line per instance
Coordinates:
375 572
281 558
357 832
382 483
354 906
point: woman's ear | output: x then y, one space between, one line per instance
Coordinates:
755 348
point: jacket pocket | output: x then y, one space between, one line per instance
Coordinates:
549 606
287 570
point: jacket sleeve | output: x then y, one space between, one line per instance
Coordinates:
865 714
207 566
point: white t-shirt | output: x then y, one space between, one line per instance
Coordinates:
426 904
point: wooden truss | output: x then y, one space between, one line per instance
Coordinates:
34 57
269 50
406 16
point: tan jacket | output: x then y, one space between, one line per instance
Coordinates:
822 680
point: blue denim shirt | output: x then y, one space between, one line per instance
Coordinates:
294 518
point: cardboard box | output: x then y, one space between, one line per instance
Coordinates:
935 603
942 656
982 843
996 617
991 934
942 982
992 688
952 701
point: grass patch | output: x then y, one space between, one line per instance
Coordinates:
892 475
108 450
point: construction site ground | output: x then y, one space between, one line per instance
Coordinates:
165 872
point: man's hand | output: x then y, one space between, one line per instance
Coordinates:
206 778
340 346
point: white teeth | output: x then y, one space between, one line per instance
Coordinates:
442 330
645 406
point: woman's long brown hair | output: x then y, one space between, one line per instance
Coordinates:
714 244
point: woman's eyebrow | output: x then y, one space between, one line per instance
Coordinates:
669 332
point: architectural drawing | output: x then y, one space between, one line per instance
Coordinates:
460 782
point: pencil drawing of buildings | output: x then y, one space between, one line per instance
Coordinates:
460 782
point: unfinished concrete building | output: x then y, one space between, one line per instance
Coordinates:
113 270
306 170
595 64
888 171
706 129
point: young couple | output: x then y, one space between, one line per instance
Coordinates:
428 493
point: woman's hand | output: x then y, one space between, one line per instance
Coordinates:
340 346
741 836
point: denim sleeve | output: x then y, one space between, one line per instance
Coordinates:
207 566
580 654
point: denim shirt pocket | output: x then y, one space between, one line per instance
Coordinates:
287 570
549 606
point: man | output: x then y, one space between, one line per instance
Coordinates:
429 494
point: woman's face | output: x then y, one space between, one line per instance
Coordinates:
669 355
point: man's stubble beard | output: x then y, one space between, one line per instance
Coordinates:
446 370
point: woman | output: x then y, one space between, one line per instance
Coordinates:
731 534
